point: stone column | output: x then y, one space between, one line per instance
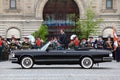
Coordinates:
1 6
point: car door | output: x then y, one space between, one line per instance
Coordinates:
49 56
56 56
62 56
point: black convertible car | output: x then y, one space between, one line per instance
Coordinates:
85 57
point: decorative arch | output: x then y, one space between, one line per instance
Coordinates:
42 3
13 31
107 32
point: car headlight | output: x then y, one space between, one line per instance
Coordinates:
110 55
13 54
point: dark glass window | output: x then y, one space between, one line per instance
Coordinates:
109 4
60 14
12 4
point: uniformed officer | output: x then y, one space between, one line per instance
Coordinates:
83 44
76 43
100 43
26 43
108 44
90 43
118 52
1 47
13 44
39 43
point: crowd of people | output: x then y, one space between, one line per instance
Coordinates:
60 43
75 43
13 44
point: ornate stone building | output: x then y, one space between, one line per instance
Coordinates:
23 17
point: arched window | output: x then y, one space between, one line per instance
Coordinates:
107 32
13 32
109 4
12 4
60 14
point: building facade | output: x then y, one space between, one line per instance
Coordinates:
23 17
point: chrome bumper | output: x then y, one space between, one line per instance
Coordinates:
107 59
13 59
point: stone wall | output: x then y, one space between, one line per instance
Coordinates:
29 15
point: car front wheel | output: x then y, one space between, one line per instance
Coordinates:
86 62
27 62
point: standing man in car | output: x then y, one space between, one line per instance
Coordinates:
62 39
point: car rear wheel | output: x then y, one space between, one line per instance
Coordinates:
27 62
86 62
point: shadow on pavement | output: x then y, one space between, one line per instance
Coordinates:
64 68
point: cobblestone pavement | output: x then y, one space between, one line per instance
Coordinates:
105 71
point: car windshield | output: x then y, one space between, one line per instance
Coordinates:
44 48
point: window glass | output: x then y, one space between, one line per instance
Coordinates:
12 4
109 4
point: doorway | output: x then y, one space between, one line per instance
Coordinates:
60 14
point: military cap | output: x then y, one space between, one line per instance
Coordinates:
91 37
99 36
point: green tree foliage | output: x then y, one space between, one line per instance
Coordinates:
42 32
86 27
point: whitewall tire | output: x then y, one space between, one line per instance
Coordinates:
86 62
27 62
